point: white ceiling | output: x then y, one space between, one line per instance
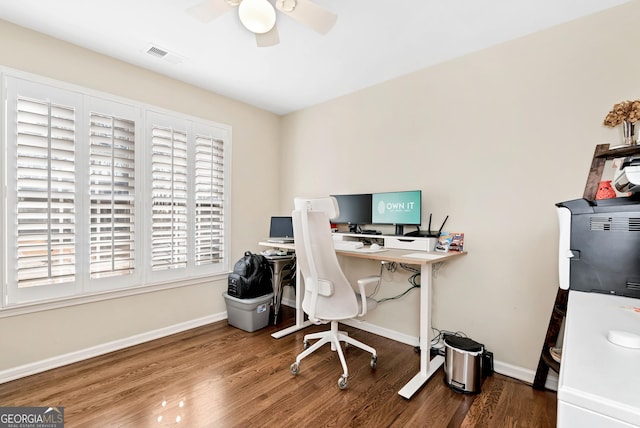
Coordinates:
372 41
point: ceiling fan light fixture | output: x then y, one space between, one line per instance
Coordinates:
258 16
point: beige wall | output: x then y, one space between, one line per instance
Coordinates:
30 338
494 140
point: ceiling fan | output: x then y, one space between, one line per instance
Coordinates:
259 16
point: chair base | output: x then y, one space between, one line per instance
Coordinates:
334 337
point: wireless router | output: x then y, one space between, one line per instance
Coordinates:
428 233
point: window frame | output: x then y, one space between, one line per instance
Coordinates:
18 295
86 289
135 278
168 119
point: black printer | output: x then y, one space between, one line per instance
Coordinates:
600 245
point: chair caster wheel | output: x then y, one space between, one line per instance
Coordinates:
295 368
342 382
374 361
306 344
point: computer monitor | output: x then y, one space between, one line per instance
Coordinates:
397 208
281 227
355 210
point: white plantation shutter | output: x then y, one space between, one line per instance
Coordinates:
168 198
209 200
87 200
45 193
112 195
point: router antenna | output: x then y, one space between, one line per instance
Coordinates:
440 230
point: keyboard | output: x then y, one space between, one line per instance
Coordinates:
280 240
279 256
347 245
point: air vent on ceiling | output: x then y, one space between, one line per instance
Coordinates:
158 52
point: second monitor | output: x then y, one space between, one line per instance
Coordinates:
398 209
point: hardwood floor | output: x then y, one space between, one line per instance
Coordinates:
220 376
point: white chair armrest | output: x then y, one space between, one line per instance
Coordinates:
362 284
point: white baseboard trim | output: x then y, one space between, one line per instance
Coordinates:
371 328
14 373
384 332
524 375
104 348
505 369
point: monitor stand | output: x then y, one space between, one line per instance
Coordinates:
355 228
399 230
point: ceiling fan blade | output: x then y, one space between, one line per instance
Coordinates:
309 14
209 10
270 38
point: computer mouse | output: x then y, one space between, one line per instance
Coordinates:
624 338
375 246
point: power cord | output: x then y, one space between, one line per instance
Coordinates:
439 334
386 299
437 343
414 279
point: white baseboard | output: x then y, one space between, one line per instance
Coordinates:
94 351
516 372
384 332
505 369
524 375
13 373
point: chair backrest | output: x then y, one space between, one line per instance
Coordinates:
328 294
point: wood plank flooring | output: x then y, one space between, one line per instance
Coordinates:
220 376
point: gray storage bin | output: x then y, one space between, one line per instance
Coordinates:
248 314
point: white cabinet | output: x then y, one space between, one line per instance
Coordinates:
599 383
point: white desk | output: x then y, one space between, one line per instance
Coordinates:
427 367
599 384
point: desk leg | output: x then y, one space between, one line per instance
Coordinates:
300 322
277 289
427 367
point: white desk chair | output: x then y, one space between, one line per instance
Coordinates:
328 295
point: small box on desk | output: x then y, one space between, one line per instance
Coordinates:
248 314
410 243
